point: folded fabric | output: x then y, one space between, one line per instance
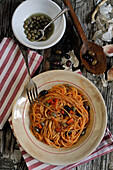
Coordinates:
13 74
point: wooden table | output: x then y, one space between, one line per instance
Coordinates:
10 156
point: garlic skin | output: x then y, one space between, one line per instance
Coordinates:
108 50
110 74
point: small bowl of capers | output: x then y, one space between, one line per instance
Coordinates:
32 15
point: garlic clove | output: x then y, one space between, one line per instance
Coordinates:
108 50
110 74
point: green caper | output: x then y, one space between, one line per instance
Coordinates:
25 25
34 17
30 26
44 38
29 35
32 40
41 20
45 23
32 34
35 31
26 22
31 31
38 18
26 32
74 109
41 17
49 28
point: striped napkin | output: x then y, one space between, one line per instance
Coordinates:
13 74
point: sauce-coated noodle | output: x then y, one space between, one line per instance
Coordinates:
60 117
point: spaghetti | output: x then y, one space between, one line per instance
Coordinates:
61 116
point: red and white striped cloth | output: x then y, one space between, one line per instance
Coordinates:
13 74
104 147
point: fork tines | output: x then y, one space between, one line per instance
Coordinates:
32 94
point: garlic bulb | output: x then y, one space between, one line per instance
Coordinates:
108 50
110 74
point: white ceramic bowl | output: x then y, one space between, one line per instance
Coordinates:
30 7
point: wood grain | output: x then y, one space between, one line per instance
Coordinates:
10 156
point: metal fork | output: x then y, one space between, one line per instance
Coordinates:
31 87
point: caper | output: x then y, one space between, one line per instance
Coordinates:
32 40
54 114
30 26
47 104
41 17
29 35
29 38
31 31
44 38
25 25
33 34
26 32
74 109
35 31
26 22
38 18
49 29
46 23
34 17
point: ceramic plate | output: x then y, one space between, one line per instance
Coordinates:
86 144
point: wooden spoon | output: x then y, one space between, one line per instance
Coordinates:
91 54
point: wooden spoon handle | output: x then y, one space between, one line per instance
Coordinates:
75 20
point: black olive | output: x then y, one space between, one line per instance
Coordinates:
43 124
36 129
83 132
67 108
90 59
86 57
67 56
69 133
43 93
68 63
65 114
87 107
78 115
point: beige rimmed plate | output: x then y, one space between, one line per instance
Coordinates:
86 144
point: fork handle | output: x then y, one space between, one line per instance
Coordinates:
25 56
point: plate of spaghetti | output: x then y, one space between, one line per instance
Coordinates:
66 124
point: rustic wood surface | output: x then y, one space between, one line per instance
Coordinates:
10 156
